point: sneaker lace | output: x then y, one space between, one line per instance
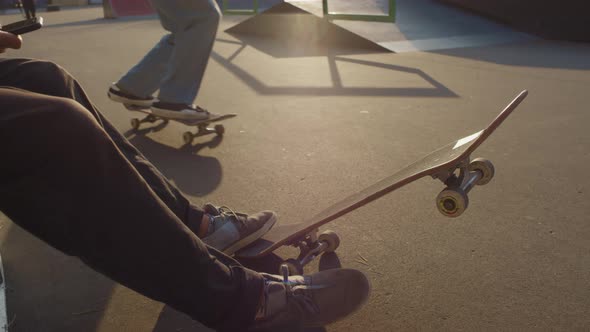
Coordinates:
226 211
299 292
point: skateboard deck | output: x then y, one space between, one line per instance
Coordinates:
450 164
188 136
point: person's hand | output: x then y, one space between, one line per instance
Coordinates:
8 40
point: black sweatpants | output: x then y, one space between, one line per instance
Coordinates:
68 177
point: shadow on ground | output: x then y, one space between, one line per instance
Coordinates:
338 88
182 166
566 55
38 275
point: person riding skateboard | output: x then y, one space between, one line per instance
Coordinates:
69 178
176 64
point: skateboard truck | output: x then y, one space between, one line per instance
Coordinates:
310 247
135 123
202 130
453 200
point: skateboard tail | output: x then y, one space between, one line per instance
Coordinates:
476 139
505 113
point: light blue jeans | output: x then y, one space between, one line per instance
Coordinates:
177 63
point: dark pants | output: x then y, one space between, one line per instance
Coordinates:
29 7
68 177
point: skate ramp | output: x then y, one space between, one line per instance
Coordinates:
122 8
420 25
298 31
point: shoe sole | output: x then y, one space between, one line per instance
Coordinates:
177 115
252 237
130 102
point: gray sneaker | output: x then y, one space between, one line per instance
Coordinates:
231 231
296 302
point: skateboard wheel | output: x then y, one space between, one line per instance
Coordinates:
151 118
452 202
135 124
187 137
293 266
219 130
331 239
130 107
485 167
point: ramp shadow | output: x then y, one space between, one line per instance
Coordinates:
338 88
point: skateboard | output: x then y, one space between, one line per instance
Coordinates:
450 164
188 136
3 315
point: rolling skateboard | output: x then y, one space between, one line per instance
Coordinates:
450 164
188 136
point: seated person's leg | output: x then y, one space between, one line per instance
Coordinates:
50 79
44 77
63 179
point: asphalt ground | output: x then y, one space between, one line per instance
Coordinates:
312 130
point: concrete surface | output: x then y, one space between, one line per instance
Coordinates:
563 20
313 129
